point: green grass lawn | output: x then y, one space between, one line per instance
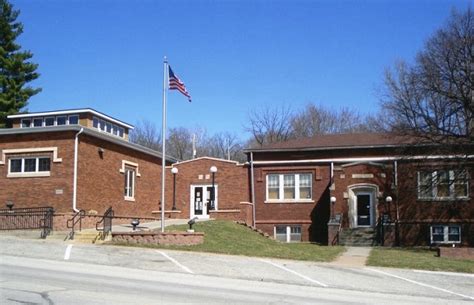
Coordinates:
228 237
423 259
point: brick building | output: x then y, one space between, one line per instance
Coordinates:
333 187
77 159
327 189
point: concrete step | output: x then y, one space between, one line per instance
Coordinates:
91 237
362 237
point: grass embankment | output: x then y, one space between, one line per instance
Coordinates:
423 259
227 237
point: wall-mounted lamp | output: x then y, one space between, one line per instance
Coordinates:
10 204
388 199
213 171
174 171
333 201
101 152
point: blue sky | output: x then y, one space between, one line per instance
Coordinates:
233 56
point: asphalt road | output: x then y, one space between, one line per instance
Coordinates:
51 272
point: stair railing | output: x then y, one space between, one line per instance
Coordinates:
46 223
73 221
335 240
106 222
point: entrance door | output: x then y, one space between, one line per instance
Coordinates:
201 200
364 208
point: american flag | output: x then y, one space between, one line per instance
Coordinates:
176 84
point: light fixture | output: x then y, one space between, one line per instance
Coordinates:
388 199
213 170
333 199
174 171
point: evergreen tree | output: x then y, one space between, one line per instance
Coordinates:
15 69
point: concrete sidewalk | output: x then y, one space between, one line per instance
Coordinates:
353 257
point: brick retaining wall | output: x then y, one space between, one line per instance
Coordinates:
166 238
460 253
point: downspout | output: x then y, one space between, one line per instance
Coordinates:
252 186
74 188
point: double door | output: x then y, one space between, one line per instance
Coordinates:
203 200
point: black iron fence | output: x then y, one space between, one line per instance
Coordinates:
27 219
74 222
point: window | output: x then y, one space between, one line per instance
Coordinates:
29 166
49 121
25 123
445 234
289 187
102 125
38 122
129 183
61 120
443 184
273 187
73 119
95 122
288 233
121 132
115 130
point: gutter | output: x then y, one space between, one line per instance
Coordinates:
74 189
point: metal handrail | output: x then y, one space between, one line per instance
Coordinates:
71 223
46 223
106 221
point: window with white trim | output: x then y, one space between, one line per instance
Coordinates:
49 121
61 120
445 234
129 190
29 166
288 233
25 123
289 187
38 122
443 184
73 119
108 127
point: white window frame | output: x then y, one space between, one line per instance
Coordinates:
33 122
445 234
49 117
434 183
130 174
61 116
26 119
69 119
282 188
22 173
288 232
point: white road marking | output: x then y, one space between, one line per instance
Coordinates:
67 254
294 272
176 262
444 273
421 284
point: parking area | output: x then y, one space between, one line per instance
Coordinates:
451 287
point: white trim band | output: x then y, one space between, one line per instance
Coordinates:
54 150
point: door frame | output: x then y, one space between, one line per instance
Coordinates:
371 208
205 211
372 190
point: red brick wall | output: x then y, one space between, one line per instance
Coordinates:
101 184
312 216
231 180
40 191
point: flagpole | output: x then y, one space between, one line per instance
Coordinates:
163 141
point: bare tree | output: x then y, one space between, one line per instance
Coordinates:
314 120
146 134
432 99
179 143
269 125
